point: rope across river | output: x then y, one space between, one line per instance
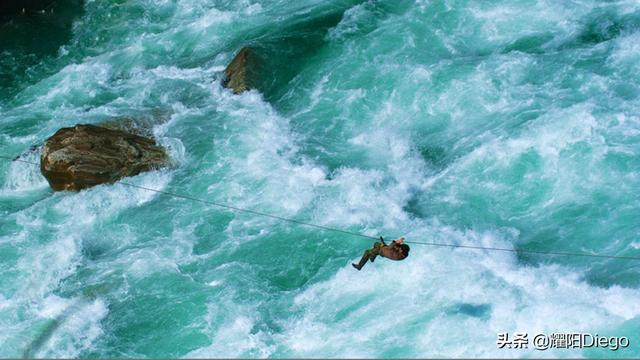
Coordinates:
346 232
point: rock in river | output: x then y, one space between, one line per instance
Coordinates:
240 73
82 156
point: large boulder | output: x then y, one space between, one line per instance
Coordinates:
82 156
239 76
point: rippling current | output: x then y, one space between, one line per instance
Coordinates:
512 124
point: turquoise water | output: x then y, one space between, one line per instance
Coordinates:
485 123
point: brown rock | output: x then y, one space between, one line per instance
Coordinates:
239 73
82 156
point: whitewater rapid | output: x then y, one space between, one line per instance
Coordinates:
497 124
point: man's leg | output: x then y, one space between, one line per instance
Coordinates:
368 254
365 257
376 250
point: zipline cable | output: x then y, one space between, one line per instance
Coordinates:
435 244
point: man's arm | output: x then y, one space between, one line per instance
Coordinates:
398 241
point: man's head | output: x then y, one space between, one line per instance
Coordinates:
405 249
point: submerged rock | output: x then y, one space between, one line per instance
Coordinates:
82 156
238 76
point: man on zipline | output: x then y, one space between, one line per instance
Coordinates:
396 251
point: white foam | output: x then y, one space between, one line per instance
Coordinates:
213 17
501 23
24 176
260 149
547 138
4 303
52 306
43 267
142 263
235 338
626 52
350 22
107 199
78 331
52 252
215 283
74 82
